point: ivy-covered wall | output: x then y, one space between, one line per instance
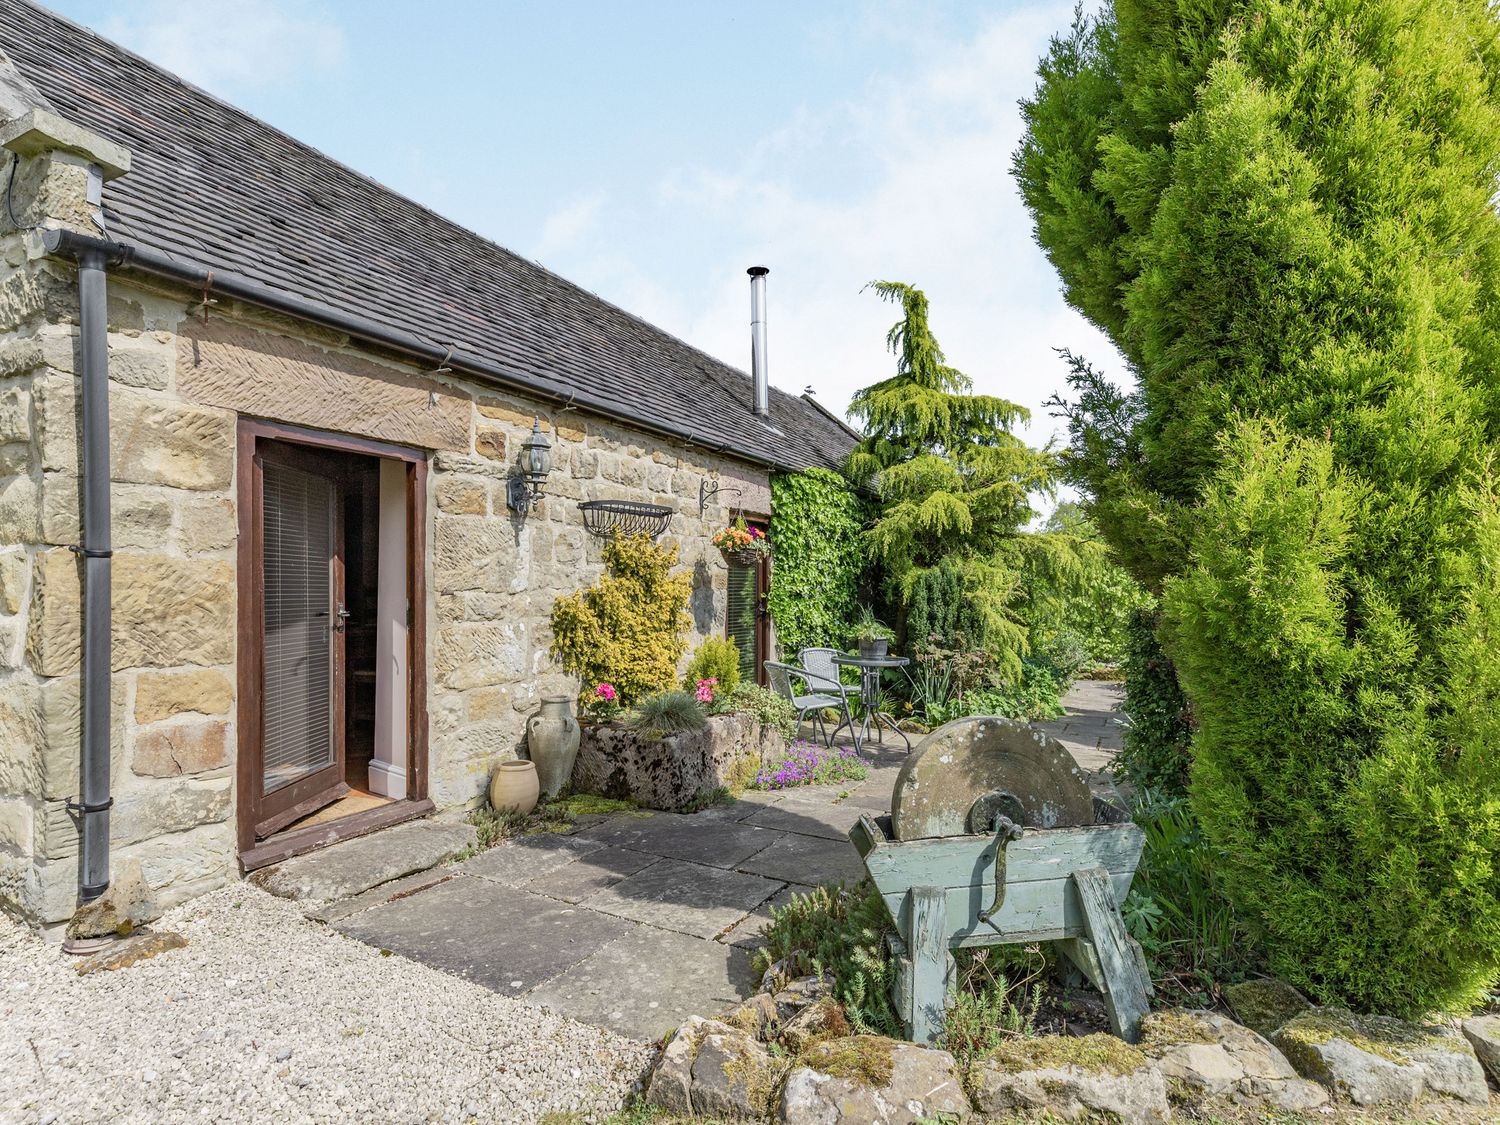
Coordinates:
819 560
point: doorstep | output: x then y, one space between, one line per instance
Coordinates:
348 868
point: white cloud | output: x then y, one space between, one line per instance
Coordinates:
563 229
908 179
232 45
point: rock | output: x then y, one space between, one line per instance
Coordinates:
823 1019
671 1083
1376 1060
1483 1034
129 951
1205 1053
797 994
1450 1066
1264 1005
125 906
1071 1078
734 1077
671 772
873 1081
756 1016
774 978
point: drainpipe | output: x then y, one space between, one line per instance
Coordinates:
94 800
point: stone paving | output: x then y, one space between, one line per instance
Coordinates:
637 921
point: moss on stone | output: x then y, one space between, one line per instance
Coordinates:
743 1019
742 772
1173 1028
1386 1038
587 804
868 1059
1264 1005
757 1077
1098 1052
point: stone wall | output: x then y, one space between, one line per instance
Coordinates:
495 576
177 385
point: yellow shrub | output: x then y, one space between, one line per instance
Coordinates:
628 629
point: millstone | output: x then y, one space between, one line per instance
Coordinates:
990 765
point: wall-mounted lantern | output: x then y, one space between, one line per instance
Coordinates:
525 490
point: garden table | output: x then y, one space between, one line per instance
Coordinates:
870 668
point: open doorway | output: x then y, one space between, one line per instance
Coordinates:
332 713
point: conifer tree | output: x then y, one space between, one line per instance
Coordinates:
954 483
1282 214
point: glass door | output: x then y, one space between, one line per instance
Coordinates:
301 760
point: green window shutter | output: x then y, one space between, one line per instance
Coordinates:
741 626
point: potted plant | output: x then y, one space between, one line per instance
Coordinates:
874 638
742 545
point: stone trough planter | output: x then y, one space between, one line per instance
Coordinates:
673 772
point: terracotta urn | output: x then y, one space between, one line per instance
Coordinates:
513 787
552 742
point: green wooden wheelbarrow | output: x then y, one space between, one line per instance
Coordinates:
996 838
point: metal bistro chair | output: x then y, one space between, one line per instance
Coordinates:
824 677
782 677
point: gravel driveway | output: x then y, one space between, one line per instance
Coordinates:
268 1017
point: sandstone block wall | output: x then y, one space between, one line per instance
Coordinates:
174 532
177 387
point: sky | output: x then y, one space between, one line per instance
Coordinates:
650 152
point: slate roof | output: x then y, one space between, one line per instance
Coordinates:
213 186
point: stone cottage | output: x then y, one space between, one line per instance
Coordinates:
272 571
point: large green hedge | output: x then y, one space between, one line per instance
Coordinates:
818 561
1283 215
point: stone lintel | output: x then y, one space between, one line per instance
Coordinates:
39 131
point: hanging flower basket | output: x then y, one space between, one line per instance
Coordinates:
743 557
741 545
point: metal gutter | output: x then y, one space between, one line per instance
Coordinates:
200 278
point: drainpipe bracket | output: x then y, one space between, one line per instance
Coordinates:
90 552
83 808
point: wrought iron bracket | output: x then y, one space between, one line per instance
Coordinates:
707 493
519 495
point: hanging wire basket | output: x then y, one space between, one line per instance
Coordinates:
624 517
742 556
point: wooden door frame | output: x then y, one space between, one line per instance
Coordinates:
250 641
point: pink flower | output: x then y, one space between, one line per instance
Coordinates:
606 692
706 690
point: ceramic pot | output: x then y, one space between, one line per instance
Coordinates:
874 650
552 743
513 787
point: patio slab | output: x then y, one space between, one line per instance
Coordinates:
714 842
808 860
877 801
686 897
808 817
498 936
590 874
647 983
518 861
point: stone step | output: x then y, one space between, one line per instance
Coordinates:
346 869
